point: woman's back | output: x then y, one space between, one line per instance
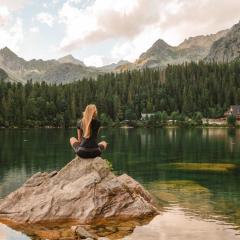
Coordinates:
90 142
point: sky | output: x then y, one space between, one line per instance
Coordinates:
100 32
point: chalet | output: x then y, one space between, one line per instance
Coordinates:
233 110
145 116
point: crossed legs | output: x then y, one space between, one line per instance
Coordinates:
102 144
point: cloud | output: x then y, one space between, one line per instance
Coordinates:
104 20
99 60
46 18
11 27
94 60
14 4
4 15
11 34
201 17
34 29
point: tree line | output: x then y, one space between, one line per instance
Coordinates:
186 90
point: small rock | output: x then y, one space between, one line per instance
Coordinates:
111 229
83 233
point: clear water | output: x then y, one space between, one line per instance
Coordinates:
194 174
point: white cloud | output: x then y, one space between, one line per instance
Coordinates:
46 18
14 4
34 29
99 60
104 20
94 60
11 28
12 34
75 1
4 15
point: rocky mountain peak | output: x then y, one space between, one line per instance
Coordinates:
7 53
227 48
203 41
70 59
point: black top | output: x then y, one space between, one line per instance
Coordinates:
90 142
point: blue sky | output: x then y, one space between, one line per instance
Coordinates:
100 32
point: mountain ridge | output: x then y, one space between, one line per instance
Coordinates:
51 71
221 46
160 54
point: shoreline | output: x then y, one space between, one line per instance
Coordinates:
131 127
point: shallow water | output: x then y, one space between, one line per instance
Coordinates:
193 173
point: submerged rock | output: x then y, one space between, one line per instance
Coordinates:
85 191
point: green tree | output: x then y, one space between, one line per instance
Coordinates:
231 120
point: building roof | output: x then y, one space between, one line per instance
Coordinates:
235 109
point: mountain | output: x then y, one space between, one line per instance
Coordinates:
51 71
70 59
227 48
3 75
114 66
192 49
220 47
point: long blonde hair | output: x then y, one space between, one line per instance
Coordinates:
89 113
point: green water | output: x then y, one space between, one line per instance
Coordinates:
195 170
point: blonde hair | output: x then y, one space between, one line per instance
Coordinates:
89 113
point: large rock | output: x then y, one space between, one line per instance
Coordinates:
85 190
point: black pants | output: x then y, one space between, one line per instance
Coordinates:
84 152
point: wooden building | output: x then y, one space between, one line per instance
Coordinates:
233 110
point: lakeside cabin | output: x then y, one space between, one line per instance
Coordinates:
145 116
233 110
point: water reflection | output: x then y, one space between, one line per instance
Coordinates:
198 169
9 234
174 223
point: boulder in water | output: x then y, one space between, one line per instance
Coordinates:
84 191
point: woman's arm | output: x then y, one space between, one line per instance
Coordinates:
79 134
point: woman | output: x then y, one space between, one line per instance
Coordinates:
86 145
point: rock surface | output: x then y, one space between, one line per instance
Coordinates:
227 48
160 54
85 190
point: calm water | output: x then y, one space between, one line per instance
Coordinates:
194 174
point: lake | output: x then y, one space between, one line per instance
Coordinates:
194 174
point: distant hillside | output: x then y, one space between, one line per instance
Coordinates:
51 71
192 49
226 48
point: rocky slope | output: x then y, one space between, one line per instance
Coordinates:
227 48
3 75
114 66
85 190
51 71
192 49
70 59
